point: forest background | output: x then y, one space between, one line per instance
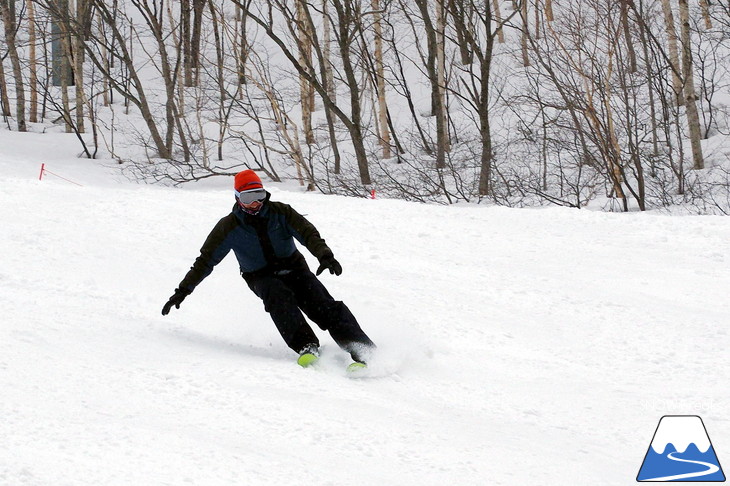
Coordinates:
617 104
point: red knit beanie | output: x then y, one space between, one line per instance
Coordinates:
246 181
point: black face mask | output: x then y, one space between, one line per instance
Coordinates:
252 212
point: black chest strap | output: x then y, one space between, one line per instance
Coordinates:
261 226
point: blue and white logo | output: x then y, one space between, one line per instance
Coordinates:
681 451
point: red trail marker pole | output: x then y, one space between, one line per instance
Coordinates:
44 171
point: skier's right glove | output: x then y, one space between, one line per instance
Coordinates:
175 300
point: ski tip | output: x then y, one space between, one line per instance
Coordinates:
357 367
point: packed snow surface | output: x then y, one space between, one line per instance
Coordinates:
516 347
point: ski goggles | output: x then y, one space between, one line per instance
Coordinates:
250 196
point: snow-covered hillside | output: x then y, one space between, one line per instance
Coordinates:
517 347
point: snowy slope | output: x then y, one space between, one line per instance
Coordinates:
516 346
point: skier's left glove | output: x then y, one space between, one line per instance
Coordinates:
175 300
328 262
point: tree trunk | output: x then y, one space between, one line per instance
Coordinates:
432 67
220 81
380 77
442 125
305 58
347 15
627 35
650 89
326 87
185 10
78 65
704 5
673 50
155 24
459 14
525 34
329 77
244 47
4 100
498 19
33 63
485 132
485 172
613 149
107 93
66 74
198 6
695 133
10 29
431 57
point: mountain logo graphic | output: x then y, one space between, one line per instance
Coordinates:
681 451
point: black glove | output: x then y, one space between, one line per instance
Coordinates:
175 300
328 262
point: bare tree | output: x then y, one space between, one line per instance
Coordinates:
305 58
690 95
443 128
525 34
345 35
329 79
197 23
384 132
186 35
152 13
589 108
9 21
216 19
244 46
64 65
77 47
459 16
672 44
434 68
4 100
401 84
705 7
32 63
498 20
475 87
591 72
115 41
348 14
627 35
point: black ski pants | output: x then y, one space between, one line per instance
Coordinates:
289 293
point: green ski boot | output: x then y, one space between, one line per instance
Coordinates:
308 356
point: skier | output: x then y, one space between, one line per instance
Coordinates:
261 234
